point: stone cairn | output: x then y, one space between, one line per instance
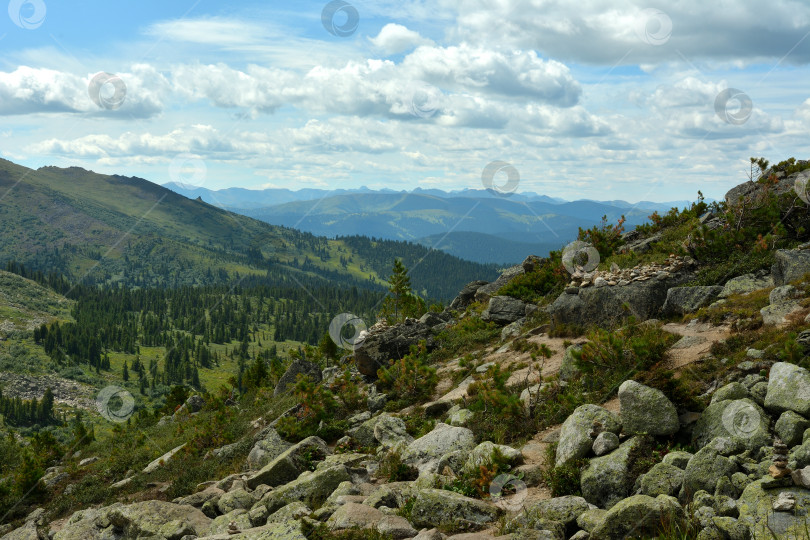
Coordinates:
232 528
620 277
596 429
779 469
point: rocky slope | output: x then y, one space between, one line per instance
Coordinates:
643 465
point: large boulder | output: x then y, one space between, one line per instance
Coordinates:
296 368
745 284
504 310
790 265
608 479
741 419
662 479
788 389
311 488
291 463
466 296
425 452
147 519
444 509
380 347
646 410
489 290
639 516
601 305
390 431
568 367
482 455
756 511
354 516
683 300
706 467
575 440
268 447
565 510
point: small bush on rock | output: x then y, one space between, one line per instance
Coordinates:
408 380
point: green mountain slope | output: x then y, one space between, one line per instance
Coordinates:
103 229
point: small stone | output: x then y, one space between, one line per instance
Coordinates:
785 502
605 442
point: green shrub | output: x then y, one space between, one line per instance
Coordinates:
410 379
548 277
563 480
604 237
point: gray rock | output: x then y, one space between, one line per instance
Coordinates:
396 527
292 462
788 389
678 459
364 433
485 292
482 454
311 488
638 515
705 469
293 511
425 452
662 479
461 417
296 368
605 443
790 265
790 428
162 460
390 431
589 519
640 299
732 390
741 419
376 402
779 314
238 499
379 348
466 296
646 410
745 284
568 367
266 449
352 515
731 529
566 509
784 293
606 480
504 310
756 511
445 509
683 300
575 441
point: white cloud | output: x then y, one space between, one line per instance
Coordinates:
395 38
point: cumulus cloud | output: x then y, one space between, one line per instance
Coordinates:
395 38
629 32
28 90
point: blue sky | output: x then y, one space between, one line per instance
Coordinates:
589 99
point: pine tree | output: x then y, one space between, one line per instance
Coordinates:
125 374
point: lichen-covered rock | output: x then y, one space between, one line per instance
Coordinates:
705 469
482 454
575 441
790 428
790 265
390 431
589 519
292 462
605 443
364 432
220 524
564 509
447 509
732 390
788 389
352 515
379 348
397 527
293 511
677 458
266 449
662 479
311 488
741 419
639 515
606 480
746 284
461 417
731 528
568 367
238 499
646 410
683 300
756 512
425 452
392 495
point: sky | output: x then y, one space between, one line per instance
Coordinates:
586 99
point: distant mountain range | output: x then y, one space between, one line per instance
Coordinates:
476 225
